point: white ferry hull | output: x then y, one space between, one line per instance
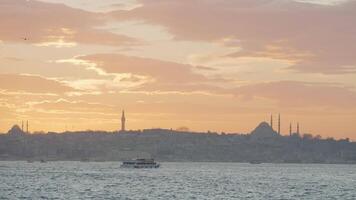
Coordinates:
140 164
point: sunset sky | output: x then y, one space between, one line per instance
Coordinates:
218 65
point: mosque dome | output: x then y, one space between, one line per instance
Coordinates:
264 130
15 130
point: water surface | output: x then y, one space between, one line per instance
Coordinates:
90 180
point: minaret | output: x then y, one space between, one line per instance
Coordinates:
22 126
290 129
279 124
123 121
27 126
271 123
298 128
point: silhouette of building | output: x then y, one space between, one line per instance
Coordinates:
290 129
27 126
16 130
298 128
123 121
262 131
271 122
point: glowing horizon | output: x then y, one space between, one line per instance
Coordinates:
223 66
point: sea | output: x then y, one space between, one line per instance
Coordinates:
181 180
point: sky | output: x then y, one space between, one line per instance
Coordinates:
217 65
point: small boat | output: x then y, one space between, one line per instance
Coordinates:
140 163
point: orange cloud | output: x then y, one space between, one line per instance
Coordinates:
63 105
173 77
47 24
160 75
303 95
31 84
160 70
319 38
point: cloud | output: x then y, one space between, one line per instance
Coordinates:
104 81
154 75
163 71
31 84
317 38
67 106
14 59
301 94
46 24
97 6
205 68
7 112
163 76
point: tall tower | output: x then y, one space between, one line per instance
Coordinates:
22 126
279 124
298 128
271 123
27 126
123 121
290 129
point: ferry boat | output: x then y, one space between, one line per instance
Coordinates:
255 162
140 163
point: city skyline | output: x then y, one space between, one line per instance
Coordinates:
25 128
223 66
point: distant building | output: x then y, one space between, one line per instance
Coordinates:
123 121
263 130
16 130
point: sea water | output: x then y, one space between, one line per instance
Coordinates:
106 180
